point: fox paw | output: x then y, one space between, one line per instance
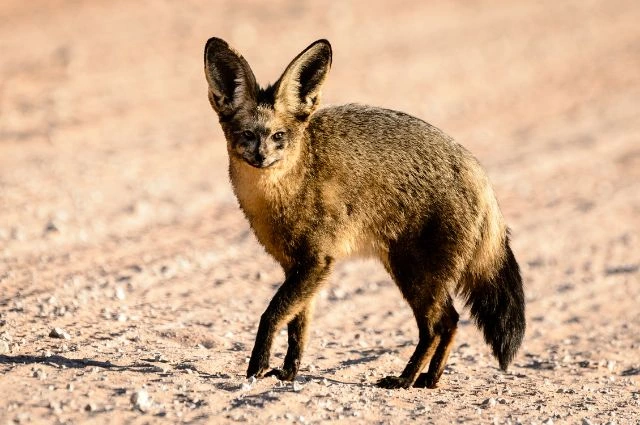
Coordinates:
282 374
425 381
257 368
391 382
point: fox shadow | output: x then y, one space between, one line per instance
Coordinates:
58 361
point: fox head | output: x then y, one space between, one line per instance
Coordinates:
264 125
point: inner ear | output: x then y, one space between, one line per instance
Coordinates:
231 81
222 84
312 75
298 90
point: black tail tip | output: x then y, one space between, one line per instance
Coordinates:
504 364
498 307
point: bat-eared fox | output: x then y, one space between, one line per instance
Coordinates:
321 185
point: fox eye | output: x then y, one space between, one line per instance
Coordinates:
278 135
248 135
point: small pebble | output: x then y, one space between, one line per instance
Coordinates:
297 386
140 400
22 418
337 294
490 402
59 333
120 294
248 384
51 227
55 407
160 358
40 374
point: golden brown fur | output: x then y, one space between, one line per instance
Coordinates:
354 180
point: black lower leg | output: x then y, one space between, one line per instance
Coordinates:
292 297
423 352
448 327
297 330
423 276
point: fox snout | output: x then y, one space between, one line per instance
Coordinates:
259 161
259 157
259 151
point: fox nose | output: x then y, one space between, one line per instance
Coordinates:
261 153
262 150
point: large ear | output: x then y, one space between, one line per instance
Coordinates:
298 90
231 81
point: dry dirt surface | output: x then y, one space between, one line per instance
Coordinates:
118 225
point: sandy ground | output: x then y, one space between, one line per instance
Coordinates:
118 225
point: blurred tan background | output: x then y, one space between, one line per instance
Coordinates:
113 178
111 96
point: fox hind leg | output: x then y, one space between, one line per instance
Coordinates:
425 265
426 295
447 330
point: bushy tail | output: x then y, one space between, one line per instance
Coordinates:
497 306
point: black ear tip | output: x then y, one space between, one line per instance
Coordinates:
214 44
325 44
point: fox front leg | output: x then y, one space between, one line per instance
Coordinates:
299 287
298 330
